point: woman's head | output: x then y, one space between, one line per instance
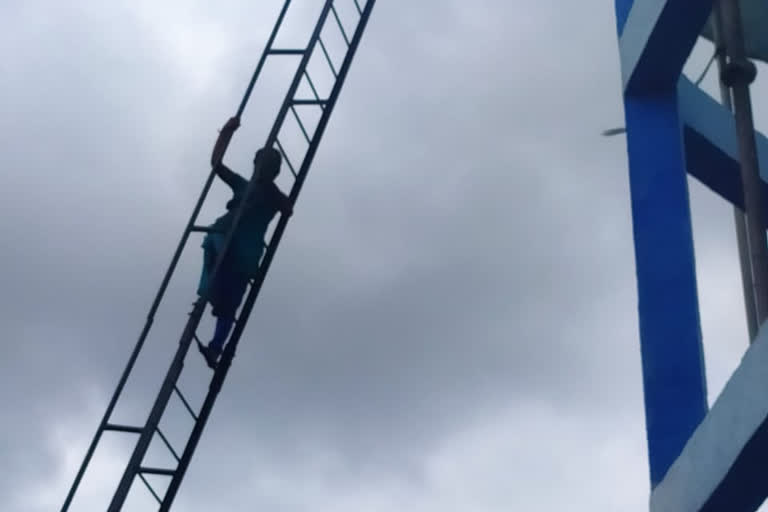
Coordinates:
267 160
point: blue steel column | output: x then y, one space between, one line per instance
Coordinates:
670 338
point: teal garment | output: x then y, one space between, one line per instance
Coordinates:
247 243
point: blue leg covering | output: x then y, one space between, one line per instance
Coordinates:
223 325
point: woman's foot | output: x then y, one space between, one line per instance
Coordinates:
210 354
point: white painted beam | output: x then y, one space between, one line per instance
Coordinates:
719 442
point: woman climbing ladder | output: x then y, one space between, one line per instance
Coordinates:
247 245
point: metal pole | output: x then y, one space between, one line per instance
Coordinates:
739 217
739 72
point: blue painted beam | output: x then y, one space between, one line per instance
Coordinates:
711 146
672 358
656 38
622 13
724 464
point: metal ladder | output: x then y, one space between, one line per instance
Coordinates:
299 168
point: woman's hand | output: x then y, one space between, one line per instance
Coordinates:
225 135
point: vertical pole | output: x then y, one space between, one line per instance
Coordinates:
738 74
739 217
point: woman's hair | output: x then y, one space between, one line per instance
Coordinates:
270 160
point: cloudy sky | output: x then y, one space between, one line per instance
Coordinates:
450 322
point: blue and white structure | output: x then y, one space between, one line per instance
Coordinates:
700 459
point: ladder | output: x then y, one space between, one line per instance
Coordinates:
169 388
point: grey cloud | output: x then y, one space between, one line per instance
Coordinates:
462 250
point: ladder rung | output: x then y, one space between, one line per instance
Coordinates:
204 229
157 471
309 102
123 428
286 51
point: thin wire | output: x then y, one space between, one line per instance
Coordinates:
150 489
707 68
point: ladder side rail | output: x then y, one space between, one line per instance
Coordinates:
166 279
174 370
229 351
271 138
291 93
295 190
177 364
263 59
139 345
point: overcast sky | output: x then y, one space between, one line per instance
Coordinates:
450 322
